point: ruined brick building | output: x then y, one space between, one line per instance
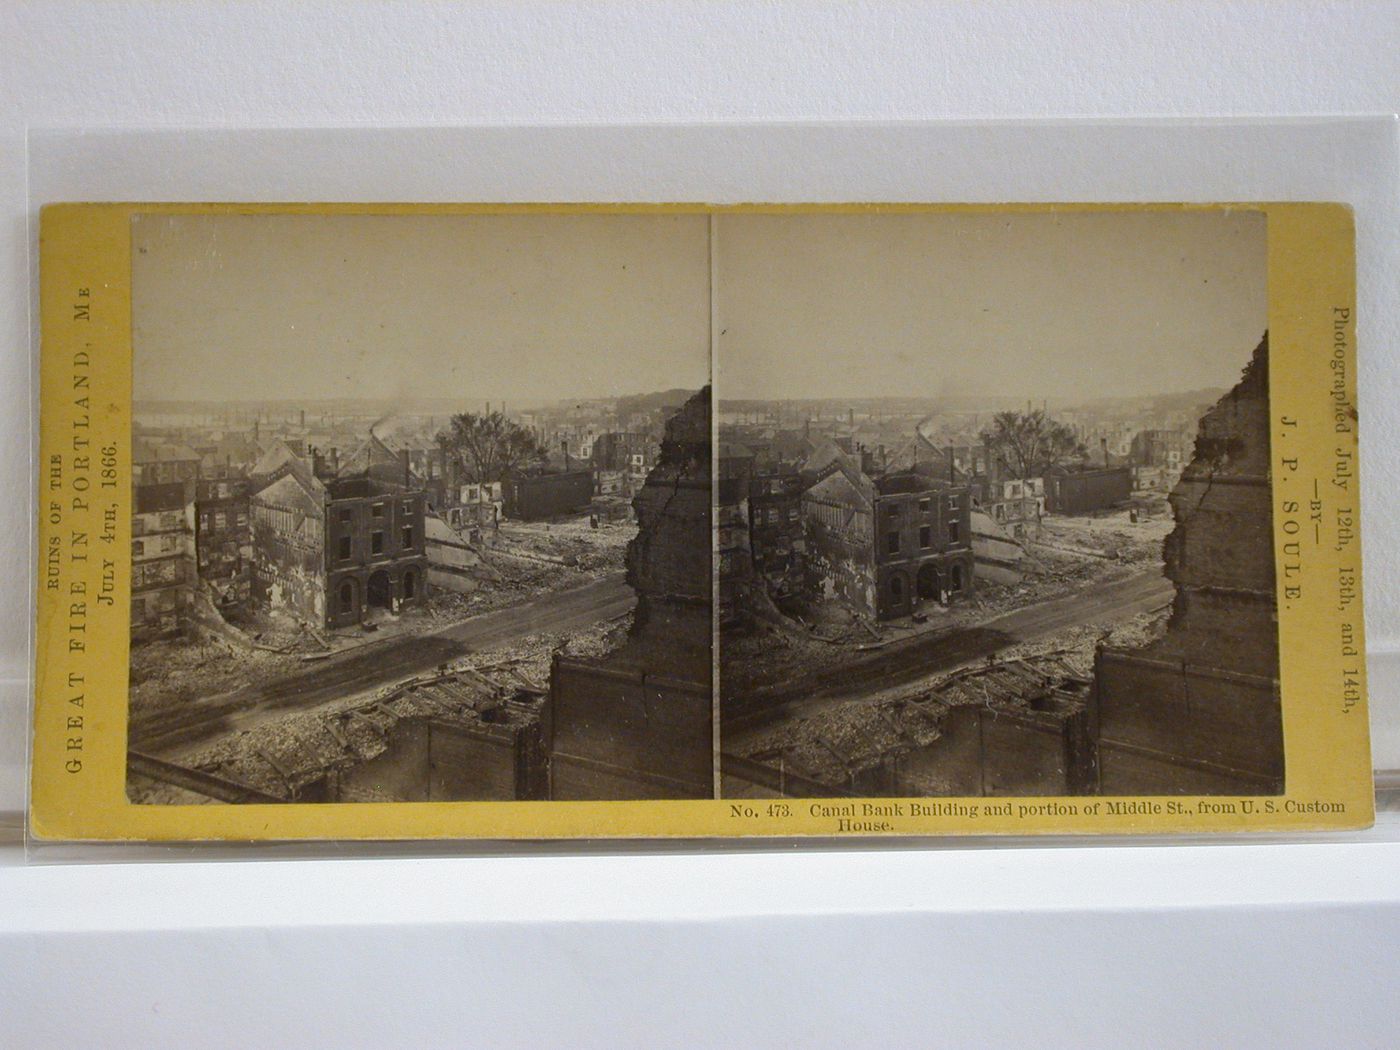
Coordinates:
776 532
535 497
224 540
1086 489
1199 710
1007 508
733 543
163 565
923 550
636 722
1169 449
886 546
616 450
332 550
1015 504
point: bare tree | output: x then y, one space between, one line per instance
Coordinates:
491 446
1031 443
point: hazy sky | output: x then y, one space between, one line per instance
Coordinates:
516 307
1069 305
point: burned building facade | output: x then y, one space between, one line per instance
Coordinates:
636 723
885 547
224 540
163 561
332 551
375 554
776 531
923 545
1168 449
289 546
838 514
1199 711
1016 504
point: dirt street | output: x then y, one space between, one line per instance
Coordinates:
379 663
913 658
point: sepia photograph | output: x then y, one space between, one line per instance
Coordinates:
421 507
842 520
994 508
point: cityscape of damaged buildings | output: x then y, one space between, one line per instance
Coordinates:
313 589
317 514
893 509
989 597
904 608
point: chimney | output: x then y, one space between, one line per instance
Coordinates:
952 465
403 460
334 461
1103 444
318 463
564 444
303 417
851 415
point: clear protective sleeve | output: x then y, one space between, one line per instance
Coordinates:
1350 161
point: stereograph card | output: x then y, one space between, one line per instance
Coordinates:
635 521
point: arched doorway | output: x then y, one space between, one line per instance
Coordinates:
930 583
410 585
379 594
348 601
956 579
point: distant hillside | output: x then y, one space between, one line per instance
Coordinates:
1182 401
969 403
651 402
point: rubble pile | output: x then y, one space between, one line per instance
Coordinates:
1115 536
283 755
574 543
853 736
517 582
850 738
535 560
167 673
770 655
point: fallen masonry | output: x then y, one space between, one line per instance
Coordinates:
1014 727
465 733
1019 724
635 723
1198 711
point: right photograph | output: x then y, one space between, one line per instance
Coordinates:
994 503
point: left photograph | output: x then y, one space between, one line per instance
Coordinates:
421 507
